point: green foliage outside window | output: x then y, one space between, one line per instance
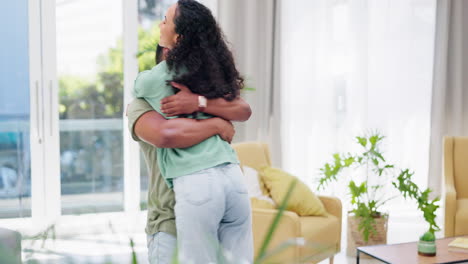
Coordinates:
101 96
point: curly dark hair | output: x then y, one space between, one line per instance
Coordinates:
159 52
202 50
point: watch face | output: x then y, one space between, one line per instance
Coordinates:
202 101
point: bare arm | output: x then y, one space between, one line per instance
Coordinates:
186 102
154 129
236 110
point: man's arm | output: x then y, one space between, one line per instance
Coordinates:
154 129
186 102
236 110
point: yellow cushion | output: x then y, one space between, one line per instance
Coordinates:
260 203
263 187
255 155
303 201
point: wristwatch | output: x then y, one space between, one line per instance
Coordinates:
202 101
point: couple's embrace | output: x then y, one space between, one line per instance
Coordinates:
197 201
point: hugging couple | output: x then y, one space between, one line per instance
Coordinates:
198 206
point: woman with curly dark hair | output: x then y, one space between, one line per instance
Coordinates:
212 204
202 52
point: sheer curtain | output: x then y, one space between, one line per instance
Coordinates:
450 93
350 67
250 28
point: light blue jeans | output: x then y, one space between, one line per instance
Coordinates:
213 216
161 248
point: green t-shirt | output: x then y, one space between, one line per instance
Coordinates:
161 199
152 86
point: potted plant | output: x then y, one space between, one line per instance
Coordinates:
426 244
367 223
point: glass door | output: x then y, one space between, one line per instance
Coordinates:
90 79
63 87
15 112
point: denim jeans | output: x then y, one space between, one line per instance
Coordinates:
161 248
213 216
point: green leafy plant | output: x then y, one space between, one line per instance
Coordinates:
147 42
366 200
367 196
410 190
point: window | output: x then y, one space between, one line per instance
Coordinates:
90 77
68 70
15 156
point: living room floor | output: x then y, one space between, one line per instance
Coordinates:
115 248
107 249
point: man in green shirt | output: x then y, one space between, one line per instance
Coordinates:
153 131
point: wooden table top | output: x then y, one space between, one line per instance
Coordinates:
407 253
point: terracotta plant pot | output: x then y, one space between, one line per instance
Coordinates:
427 248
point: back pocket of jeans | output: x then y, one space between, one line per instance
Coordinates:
196 188
237 178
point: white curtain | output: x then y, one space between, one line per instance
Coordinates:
450 90
351 67
250 27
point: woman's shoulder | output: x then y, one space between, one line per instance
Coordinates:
157 73
161 67
150 81
157 70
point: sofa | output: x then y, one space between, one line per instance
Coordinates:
456 185
321 234
10 246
